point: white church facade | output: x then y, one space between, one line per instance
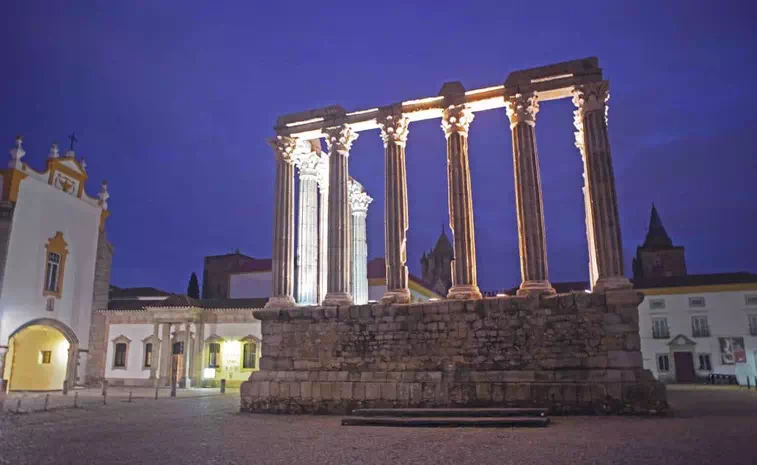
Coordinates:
54 266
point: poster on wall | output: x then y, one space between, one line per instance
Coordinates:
732 350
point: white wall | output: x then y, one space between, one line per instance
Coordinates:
40 212
135 355
250 285
727 316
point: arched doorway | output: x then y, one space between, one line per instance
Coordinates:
42 356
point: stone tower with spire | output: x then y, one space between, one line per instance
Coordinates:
436 266
658 257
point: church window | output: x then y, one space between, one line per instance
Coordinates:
696 302
148 355
663 362
249 354
55 262
656 304
214 355
704 362
45 356
660 328
699 326
119 361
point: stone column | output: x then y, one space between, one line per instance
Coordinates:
197 358
339 140
283 224
187 354
359 200
154 363
605 244
456 120
307 243
165 355
323 226
521 110
394 132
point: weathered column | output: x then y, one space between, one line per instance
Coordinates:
154 363
339 140
283 224
165 355
307 243
359 200
187 354
455 122
605 243
394 131
522 109
323 226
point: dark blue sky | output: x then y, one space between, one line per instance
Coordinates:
172 104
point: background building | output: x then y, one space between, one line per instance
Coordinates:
436 267
54 266
692 326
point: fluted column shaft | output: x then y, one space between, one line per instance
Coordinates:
521 110
394 132
339 140
283 225
359 201
602 217
455 122
307 244
323 242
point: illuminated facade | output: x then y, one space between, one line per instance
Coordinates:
54 267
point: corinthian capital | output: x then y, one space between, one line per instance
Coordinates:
592 96
359 199
308 162
284 148
340 139
394 129
456 119
522 108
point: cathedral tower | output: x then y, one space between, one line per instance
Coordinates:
658 257
436 266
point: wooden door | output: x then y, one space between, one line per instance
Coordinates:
684 362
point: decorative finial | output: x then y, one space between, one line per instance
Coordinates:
83 163
54 153
17 153
104 195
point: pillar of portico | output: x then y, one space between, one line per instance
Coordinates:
197 359
339 140
394 132
605 244
165 355
283 224
154 363
187 354
521 110
323 226
307 242
456 120
359 201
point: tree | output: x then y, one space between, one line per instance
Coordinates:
193 290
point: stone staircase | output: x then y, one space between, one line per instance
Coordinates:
491 417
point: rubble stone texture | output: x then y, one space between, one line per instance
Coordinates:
573 353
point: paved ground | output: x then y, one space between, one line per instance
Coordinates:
710 426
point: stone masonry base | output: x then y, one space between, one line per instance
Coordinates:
572 353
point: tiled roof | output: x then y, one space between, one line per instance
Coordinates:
712 279
134 292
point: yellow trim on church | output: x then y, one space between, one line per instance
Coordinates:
11 184
700 289
55 165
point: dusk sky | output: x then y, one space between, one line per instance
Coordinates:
172 103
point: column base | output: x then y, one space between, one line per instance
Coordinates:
464 292
334 299
534 288
612 283
280 301
397 296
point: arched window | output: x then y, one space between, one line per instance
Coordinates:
55 262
